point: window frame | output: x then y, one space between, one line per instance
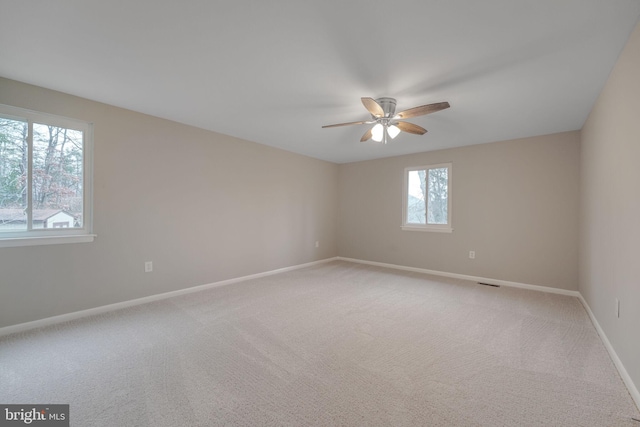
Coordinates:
49 236
439 228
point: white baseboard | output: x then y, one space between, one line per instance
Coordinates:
633 390
22 327
466 277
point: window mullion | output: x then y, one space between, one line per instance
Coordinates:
426 196
30 176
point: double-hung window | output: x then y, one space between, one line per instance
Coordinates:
427 198
45 178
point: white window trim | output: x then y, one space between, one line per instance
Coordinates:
437 228
65 235
47 240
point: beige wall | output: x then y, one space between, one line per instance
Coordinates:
610 207
515 203
202 206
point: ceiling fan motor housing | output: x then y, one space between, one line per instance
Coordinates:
388 106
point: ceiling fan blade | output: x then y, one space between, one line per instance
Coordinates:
422 110
411 128
367 136
372 106
346 124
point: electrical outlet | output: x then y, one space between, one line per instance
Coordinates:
472 254
317 244
148 266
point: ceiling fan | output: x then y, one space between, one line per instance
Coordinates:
387 122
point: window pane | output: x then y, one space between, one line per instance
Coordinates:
57 177
13 174
438 196
415 197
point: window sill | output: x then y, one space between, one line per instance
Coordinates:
46 240
431 229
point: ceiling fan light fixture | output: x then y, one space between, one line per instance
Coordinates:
377 132
393 131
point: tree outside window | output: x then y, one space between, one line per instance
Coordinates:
427 203
43 174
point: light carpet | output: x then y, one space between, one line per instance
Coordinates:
337 344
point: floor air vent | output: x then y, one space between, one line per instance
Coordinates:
488 284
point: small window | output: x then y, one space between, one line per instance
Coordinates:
427 198
45 178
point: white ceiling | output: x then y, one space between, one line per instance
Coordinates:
274 72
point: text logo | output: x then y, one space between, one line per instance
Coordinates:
34 415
